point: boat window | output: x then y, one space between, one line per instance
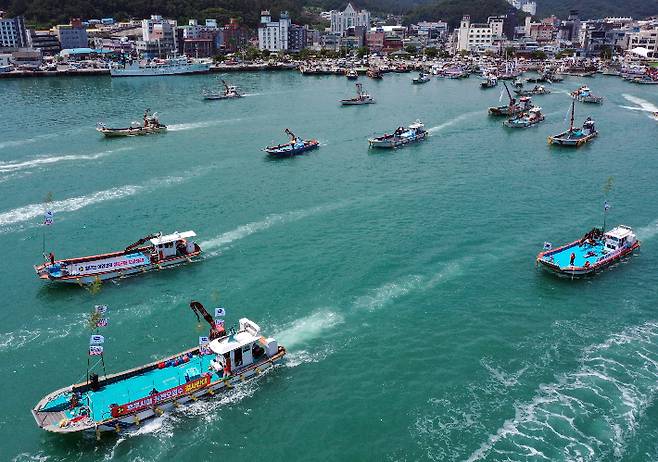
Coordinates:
237 357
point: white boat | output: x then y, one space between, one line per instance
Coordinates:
400 137
150 125
229 92
362 97
126 399
153 252
172 66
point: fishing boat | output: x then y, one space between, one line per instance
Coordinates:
126 399
518 83
294 147
153 252
351 74
594 251
575 136
151 124
422 78
490 82
228 92
512 108
374 73
400 137
362 97
525 119
536 90
584 95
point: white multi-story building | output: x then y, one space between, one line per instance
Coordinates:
13 33
273 35
476 36
341 21
158 37
645 38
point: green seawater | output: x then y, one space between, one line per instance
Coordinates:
403 283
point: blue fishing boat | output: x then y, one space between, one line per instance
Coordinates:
400 137
525 119
584 95
126 399
294 147
594 251
575 136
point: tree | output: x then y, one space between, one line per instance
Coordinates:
509 52
251 54
431 52
538 54
606 52
411 49
361 52
565 53
265 54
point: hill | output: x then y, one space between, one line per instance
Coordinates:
592 9
452 11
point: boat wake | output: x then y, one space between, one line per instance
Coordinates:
32 211
14 143
387 293
587 414
195 125
308 328
244 231
647 232
640 104
452 122
9 167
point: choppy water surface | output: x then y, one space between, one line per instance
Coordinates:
403 283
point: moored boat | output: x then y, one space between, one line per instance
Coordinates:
490 82
422 78
351 74
126 399
594 251
228 92
374 73
172 66
512 108
400 137
362 97
536 90
525 119
149 253
151 124
575 136
584 95
294 147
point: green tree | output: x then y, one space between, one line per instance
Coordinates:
606 52
538 54
411 49
565 53
431 52
361 52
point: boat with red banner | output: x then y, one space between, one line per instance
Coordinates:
126 399
152 252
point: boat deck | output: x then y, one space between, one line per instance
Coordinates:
140 386
583 253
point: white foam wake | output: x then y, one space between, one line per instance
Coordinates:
195 125
32 211
385 294
308 328
641 104
452 122
587 414
7 167
648 231
248 229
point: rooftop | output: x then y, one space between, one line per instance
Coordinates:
172 237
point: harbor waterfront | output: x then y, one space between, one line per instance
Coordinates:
402 283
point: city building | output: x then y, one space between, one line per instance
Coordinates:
475 36
158 38
13 34
233 37
44 40
297 37
273 35
527 6
72 35
341 21
197 40
645 38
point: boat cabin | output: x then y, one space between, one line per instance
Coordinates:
242 349
619 237
174 244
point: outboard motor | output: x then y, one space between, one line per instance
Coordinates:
93 381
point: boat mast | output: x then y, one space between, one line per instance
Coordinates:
509 95
573 108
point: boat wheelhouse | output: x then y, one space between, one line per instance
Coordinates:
536 90
594 251
362 97
422 78
123 400
400 137
513 107
151 124
294 147
150 253
575 136
525 119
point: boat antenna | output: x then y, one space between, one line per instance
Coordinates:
607 187
48 218
508 93
290 134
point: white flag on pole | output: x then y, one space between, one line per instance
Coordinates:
48 217
95 350
96 340
220 312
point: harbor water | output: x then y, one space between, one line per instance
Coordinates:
403 283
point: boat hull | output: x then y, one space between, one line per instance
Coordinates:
395 142
348 102
579 271
56 422
282 151
123 132
522 124
198 68
84 279
563 139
